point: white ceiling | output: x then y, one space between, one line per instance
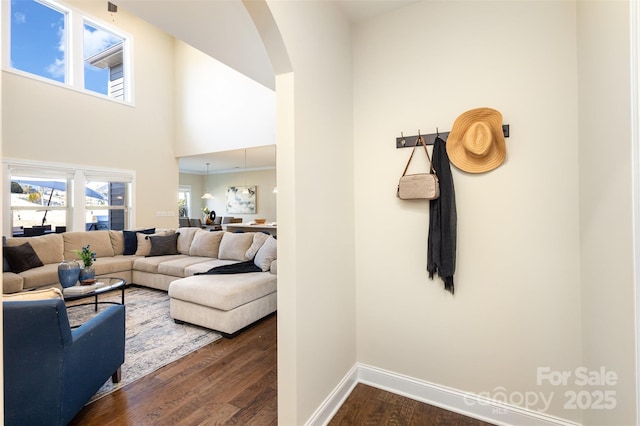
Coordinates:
207 26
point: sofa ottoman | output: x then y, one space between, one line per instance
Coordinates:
225 303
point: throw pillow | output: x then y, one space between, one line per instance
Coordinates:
206 243
144 243
164 244
186 238
234 246
5 263
266 254
131 240
22 257
258 239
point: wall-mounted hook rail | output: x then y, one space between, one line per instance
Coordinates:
410 141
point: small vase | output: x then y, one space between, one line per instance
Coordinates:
68 273
87 273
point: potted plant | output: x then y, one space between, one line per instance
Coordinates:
88 272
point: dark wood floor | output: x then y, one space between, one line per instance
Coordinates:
367 405
234 382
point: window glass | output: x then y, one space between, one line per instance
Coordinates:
38 202
103 61
184 202
38 39
106 205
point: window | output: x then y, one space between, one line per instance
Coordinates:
103 61
106 203
184 201
38 202
56 196
38 39
43 35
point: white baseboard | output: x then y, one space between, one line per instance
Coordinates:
450 399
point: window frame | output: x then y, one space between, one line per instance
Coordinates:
77 176
74 45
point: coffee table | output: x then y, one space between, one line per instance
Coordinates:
102 285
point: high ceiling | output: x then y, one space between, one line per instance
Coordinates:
225 31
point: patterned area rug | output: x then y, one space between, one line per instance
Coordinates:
153 339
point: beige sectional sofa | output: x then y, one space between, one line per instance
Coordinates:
162 258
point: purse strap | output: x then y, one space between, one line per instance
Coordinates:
424 144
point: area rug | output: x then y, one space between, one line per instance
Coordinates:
153 339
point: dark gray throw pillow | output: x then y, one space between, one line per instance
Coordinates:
5 263
164 244
22 257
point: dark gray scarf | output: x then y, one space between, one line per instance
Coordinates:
441 251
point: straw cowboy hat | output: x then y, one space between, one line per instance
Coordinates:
476 142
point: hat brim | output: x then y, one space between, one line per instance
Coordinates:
465 160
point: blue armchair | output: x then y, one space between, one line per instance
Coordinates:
50 370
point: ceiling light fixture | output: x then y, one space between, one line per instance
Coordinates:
207 195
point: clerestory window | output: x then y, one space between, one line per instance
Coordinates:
44 36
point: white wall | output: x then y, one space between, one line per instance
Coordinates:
49 123
606 227
217 108
316 310
517 300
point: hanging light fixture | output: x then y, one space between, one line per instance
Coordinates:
207 195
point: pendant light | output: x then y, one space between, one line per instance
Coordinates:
207 195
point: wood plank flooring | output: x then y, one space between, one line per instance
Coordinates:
234 382
367 405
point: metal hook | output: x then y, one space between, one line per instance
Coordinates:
437 132
403 142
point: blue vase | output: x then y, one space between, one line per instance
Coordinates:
87 273
68 273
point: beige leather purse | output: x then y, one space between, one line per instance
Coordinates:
421 186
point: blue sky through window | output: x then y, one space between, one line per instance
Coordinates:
38 39
38 44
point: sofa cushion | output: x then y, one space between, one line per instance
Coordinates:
117 242
206 243
178 267
266 254
150 264
22 257
12 282
131 239
49 248
185 238
98 241
258 240
113 265
49 293
46 275
198 268
234 246
162 245
224 292
144 243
